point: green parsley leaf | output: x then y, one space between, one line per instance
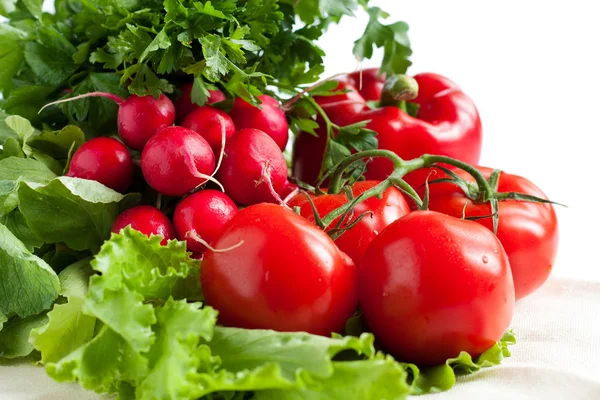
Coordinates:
51 57
393 38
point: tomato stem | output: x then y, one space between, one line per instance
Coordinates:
484 187
336 181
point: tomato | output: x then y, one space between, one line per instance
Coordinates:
528 231
285 274
431 286
384 210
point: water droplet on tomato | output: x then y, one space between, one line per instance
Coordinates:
376 233
484 259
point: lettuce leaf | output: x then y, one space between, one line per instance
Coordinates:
378 379
127 335
443 377
14 170
14 336
77 212
27 284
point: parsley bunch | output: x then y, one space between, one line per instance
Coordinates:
146 46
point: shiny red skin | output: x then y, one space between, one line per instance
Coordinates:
205 212
104 160
368 82
209 123
141 117
447 124
528 231
351 98
431 286
307 156
355 241
147 220
269 118
174 158
308 150
247 154
287 275
184 104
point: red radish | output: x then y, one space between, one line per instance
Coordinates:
209 122
148 220
202 215
105 160
269 118
140 117
176 160
184 104
254 170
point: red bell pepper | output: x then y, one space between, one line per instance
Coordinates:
368 82
309 150
447 123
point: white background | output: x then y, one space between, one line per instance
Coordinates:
532 67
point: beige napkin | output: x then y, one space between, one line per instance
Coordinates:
557 355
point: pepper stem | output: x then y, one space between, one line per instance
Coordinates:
399 88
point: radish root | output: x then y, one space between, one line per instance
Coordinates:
193 235
221 155
291 196
266 179
117 99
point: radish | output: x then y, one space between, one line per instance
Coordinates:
209 122
146 219
200 217
254 169
184 104
140 117
177 160
269 118
105 160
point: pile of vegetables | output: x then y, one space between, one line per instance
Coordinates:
188 210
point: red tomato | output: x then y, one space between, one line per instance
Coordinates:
528 231
285 274
431 286
354 242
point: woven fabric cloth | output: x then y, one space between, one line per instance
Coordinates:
557 355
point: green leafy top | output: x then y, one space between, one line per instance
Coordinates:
146 46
